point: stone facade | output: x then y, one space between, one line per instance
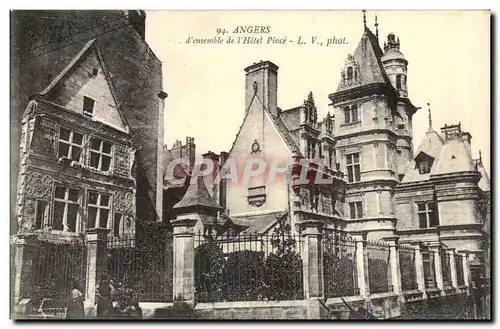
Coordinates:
76 162
43 47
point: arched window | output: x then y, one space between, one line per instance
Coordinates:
354 113
398 82
347 114
355 75
349 73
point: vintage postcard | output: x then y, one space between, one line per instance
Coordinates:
262 165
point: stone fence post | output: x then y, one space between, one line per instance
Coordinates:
183 267
466 269
394 263
453 267
23 249
362 265
419 269
437 267
312 258
97 239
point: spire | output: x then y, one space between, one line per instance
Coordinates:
376 26
480 157
364 18
430 116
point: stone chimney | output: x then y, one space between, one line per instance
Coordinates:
261 87
209 179
451 131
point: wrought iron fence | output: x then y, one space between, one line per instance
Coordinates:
378 267
339 266
248 267
446 268
429 269
407 267
145 268
460 270
57 269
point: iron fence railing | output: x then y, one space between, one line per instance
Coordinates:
248 267
429 268
339 266
57 268
144 268
378 267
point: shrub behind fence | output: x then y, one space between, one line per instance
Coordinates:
378 267
446 268
248 267
407 267
145 268
339 266
460 270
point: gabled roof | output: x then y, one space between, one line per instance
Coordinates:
197 195
280 126
368 56
260 224
87 48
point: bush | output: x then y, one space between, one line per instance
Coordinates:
209 264
283 269
244 274
338 276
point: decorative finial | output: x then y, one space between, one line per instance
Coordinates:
376 26
430 115
480 157
364 18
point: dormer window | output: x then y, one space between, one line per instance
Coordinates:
423 163
349 73
423 167
88 106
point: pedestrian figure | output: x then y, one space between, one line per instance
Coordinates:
133 310
104 290
75 307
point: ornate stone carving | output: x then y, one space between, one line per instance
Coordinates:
326 203
304 196
122 159
28 219
124 202
37 185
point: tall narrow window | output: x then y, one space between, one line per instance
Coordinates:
88 106
98 210
42 214
116 224
356 209
354 113
70 144
426 215
349 73
398 82
66 205
347 114
100 154
353 168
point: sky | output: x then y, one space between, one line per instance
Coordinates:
448 55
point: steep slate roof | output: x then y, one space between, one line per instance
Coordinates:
368 56
261 223
454 157
197 196
88 47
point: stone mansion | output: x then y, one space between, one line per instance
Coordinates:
381 186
